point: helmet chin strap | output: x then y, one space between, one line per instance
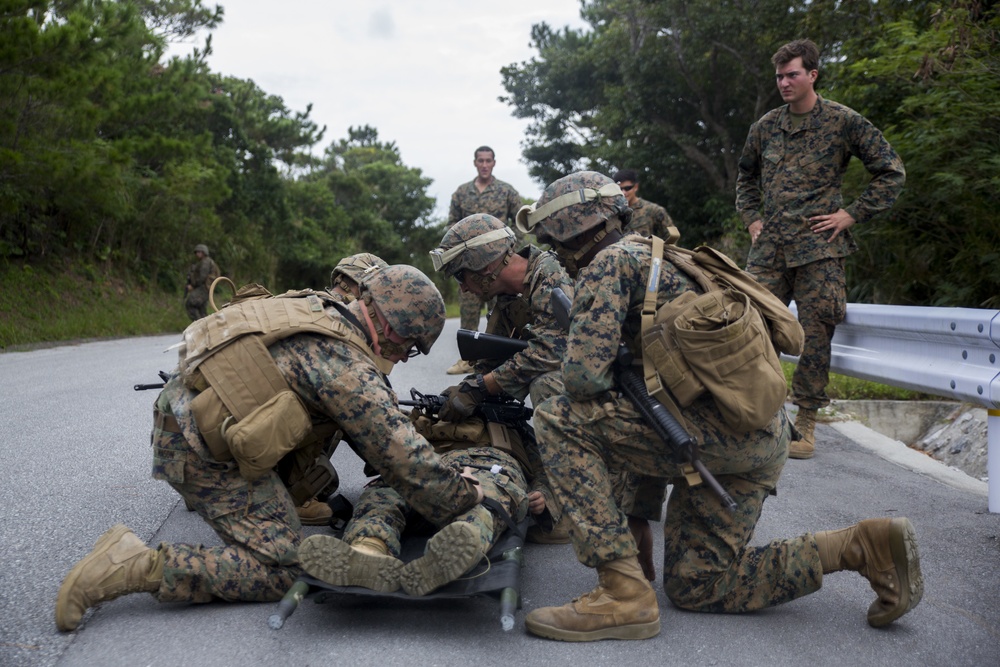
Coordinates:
485 282
383 347
571 257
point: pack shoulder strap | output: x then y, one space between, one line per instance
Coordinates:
654 386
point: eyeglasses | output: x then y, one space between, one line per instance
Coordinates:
626 188
459 275
412 352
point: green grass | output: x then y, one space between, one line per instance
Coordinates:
58 304
847 388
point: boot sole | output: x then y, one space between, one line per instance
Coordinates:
906 558
450 553
634 631
103 543
336 563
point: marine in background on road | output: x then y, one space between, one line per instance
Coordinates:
199 280
648 219
483 194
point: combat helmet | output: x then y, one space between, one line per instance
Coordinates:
408 300
472 244
349 271
201 247
574 205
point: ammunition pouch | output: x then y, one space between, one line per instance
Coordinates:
469 433
262 438
308 473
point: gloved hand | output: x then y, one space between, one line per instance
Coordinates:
462 399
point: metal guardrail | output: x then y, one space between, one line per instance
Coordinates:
950 352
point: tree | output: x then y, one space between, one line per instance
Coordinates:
939 77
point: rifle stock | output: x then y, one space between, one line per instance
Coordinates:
655 415
475 345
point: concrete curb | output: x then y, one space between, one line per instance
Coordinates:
898 453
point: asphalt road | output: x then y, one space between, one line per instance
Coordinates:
75 459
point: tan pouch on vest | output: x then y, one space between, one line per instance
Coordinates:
209 414
262 438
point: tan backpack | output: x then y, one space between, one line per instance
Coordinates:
725 341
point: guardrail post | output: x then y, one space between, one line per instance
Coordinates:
993 459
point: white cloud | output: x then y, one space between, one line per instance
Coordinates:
425 74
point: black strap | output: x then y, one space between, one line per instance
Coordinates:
496 508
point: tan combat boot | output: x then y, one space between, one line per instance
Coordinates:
885 552
450 553
623 606
805 446
366 562
119 563
460 367
314 513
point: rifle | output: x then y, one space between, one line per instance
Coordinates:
494 409
684 447
474 345
159 385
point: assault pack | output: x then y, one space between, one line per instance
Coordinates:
725 341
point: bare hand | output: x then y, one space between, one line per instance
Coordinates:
835 222
755 228
536 502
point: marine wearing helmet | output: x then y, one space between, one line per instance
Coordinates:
346 276
409 303
569 208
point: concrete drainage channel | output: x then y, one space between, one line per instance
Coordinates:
948 431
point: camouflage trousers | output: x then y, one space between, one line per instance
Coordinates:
708 565
637 495
196 303
256 521
819 290
470 309
381 512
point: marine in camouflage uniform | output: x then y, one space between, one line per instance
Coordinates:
788 195
483 194
336 381
648 219
369 553
478 251
708 563
199 279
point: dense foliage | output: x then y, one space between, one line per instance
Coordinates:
116 157
670 87
112 153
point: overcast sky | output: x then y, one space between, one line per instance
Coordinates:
424 73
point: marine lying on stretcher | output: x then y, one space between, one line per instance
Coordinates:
492 453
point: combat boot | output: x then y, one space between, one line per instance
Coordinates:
623 606
460 367
120 563
314 513
366 562
885 552
805 446
450 553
